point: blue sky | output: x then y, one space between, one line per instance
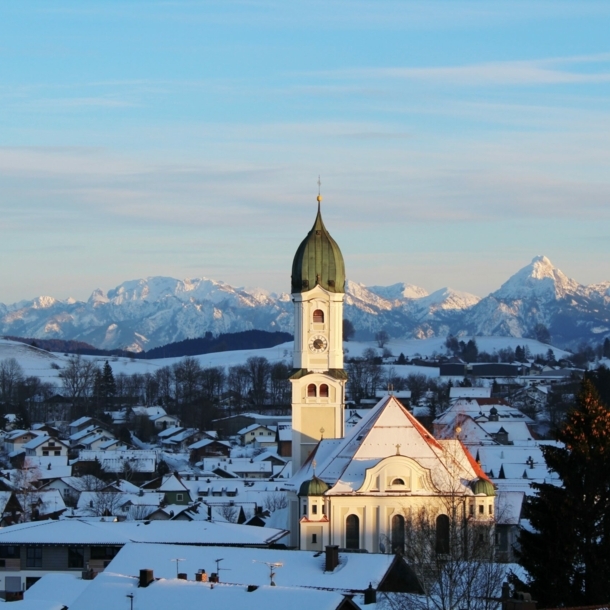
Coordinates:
455 140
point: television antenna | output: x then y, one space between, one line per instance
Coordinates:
273 565
177 564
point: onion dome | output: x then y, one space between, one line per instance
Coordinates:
313 487
483 486
318 261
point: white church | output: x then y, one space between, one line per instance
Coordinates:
358 489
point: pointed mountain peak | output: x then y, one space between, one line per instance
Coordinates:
539 279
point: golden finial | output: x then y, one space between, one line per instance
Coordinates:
319 198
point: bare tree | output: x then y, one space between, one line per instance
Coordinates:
78 377
275 501
104 503
25 481
11 374
228 513
382 338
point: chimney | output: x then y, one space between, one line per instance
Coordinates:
146 577
370 595
182 576
201 576
332 557
214 577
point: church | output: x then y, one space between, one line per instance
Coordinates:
359 490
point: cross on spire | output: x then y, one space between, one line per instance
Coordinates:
319 197
397 448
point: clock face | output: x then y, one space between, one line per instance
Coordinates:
318 343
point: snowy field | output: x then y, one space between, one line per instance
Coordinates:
47 366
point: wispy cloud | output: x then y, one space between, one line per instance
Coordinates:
530 72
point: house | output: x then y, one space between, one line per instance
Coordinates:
31 550
139 464
157 415
256 433
42 446
175 491
15 440
207 447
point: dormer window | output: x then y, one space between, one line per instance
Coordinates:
398 482
318 316
323 391
311 390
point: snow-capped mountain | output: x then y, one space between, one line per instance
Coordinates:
145 313
541 294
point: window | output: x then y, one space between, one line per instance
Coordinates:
491 509
51 444
352 532
76 557
398 534
56 452
9 552
314 509
34 557
311 390
103 552
481 509
323 391
442 534
314 538
398 482
179 497
304 509
45 453
318 316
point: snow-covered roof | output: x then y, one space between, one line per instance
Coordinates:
58 588
253 427
387 430
79 422
247 565
116 461
109 590
204 442
169 431
459 392
172 483
80 531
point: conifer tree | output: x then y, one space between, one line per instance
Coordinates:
567 551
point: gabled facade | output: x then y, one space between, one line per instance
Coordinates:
369 484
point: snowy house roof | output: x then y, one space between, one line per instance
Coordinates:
109 590
170 431
54 588
247 566
253 427
204 442
80 421
80 531
172 483
459 392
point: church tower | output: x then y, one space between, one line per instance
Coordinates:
318 381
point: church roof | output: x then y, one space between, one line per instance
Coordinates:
388 430
318 261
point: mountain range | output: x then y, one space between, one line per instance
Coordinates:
146 313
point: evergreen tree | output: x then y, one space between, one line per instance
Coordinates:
108 385
606 348
519 354
567 552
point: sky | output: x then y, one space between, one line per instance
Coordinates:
455 140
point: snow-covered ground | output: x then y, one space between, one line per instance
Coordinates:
47 365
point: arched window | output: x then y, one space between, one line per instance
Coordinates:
442 534
398 482
311 390
398 534
352 532
323 391
318 316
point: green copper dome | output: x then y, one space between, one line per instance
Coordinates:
481 486
318 261
313 487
